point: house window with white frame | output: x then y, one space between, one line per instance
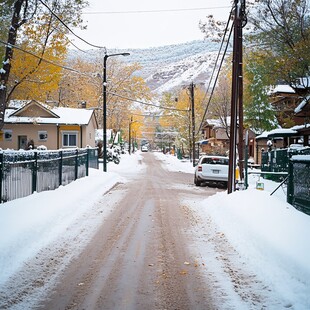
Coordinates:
69 139
8 134
42 135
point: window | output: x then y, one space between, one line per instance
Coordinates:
69 139
8 135
215 161
42 135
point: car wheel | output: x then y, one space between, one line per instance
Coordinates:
197 182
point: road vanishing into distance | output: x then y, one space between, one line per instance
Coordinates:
136 259
144 255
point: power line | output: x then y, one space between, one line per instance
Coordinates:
215 81
219 69
84 74
41 58
81 73
155 11
146 103
67 27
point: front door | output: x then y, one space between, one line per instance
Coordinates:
22 142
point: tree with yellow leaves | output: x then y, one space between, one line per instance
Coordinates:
178 118
85 84
43 38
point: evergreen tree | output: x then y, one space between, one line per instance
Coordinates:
258 112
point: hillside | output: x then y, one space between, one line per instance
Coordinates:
166 68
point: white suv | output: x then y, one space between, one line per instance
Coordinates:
211 169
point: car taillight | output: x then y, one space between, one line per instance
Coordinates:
199 168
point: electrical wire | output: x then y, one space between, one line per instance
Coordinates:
156 11
79 72
41 58
67 27
84 74
215 81
218 72
146 103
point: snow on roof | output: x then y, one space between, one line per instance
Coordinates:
205 141
302 105
17 104
74 116
214 122
218 122
281 132
277 133
301 157
264 135
281 89
298 127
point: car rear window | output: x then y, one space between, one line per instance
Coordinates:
215 161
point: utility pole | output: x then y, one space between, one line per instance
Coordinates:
241 150
236 97
129 136
192 96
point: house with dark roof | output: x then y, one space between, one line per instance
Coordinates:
29 124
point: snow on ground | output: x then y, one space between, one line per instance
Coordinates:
171 163
269 234
31 223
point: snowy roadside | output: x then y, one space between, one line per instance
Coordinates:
29 224
268 235
264 233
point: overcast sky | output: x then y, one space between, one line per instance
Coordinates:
112 25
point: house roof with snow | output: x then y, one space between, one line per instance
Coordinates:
217 123
281 89
280 133
34 112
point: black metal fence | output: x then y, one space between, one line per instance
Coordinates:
298 188
277 161
25 172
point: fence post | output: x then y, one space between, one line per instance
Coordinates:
76 164
290 184
1 175
60 168
87 160
97 156
34 172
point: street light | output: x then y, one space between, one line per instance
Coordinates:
106 56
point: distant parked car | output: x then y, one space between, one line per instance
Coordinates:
144 148
211 169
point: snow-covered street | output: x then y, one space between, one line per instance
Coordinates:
263 233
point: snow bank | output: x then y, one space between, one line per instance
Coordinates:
270 234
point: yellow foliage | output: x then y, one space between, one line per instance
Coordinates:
179 117
31 77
